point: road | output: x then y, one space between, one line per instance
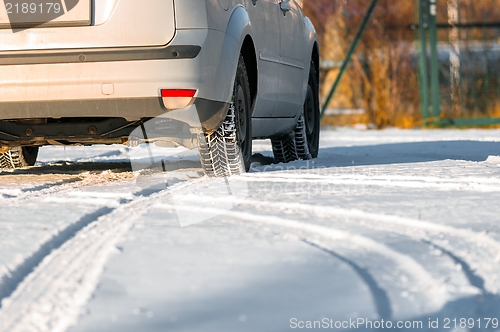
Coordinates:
394 226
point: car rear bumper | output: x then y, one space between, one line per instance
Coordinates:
123 83
105 121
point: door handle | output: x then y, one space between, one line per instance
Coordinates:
285 6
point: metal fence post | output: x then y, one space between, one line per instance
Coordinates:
433 39
423 17
349 55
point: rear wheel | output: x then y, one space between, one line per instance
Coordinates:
19 157
228 150
303 142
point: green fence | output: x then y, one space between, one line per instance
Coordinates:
459 62
457 56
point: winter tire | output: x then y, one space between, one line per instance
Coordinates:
19 157
228 150
303 142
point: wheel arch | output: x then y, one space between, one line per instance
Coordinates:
238 40
315 59
313 55
250 56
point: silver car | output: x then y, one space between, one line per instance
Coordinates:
83 72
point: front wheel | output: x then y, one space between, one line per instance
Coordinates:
303 142
19 157
228 150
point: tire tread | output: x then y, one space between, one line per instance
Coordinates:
15 158
220 152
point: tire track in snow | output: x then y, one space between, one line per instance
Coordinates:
11 279
433 293
479 247
9 194
50 186
82 180
414 182
471 275
483 256
327 211
379 295
52 296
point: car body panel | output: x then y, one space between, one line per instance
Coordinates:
131 79
292 53
266 29
61 72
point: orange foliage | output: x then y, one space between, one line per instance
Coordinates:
383 76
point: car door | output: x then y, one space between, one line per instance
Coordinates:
292 53
265 23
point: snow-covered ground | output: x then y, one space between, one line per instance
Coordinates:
394 226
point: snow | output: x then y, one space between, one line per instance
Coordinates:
392 224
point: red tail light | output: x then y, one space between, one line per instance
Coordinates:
178 93
177 98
